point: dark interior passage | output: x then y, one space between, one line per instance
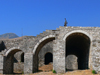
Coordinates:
22 57
2 46
48 58
79 44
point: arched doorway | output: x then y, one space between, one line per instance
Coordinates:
22 57
48 58
78 44
37 49
9 61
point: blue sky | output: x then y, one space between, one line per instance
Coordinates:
36 16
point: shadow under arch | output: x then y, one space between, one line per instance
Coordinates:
48 58
8 60
22 57
38 47
78 43
2 46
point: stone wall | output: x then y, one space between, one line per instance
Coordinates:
47 48
19 67
71 62
59 46
31 46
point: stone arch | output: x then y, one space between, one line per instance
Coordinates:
48 58
9 60
74 42
13 50
47 48
77 31
38 47
43 41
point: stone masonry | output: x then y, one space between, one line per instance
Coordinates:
72 48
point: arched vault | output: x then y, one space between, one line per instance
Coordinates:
13 50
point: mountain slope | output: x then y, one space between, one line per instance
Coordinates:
8 36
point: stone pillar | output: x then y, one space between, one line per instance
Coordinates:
35 63
59 56
95 52
28 63
1 64
8 65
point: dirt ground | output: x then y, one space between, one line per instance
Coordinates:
78 72
47 70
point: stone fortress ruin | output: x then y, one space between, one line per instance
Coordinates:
71 48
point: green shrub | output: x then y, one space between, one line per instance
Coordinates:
93 71
22 72
33 71
53 71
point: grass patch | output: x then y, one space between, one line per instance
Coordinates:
22 72
53 71
93 71
33 71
